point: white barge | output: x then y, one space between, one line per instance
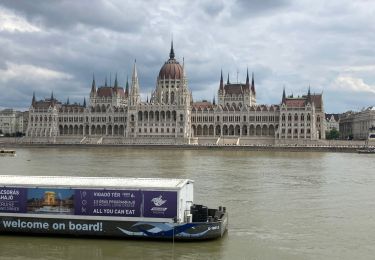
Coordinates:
106 207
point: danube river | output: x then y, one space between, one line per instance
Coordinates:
282 205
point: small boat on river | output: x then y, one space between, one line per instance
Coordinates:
7 152
107 207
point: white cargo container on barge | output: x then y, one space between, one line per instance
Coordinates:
106 206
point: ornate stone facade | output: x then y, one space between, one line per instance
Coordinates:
357 125
117 115
11 121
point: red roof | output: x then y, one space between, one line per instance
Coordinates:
317 99
203 105
295 102
108 91
235 89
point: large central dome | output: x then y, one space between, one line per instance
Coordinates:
171 68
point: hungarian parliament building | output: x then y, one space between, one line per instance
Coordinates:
117 115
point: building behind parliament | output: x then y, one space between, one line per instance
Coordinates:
117 115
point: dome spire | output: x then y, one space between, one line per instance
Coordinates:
171 53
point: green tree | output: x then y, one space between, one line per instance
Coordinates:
333 134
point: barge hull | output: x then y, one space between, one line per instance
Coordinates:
114 228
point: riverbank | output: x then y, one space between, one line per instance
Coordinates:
278 148
323 146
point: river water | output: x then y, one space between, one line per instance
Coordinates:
282 205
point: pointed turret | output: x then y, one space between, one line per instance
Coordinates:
284 96
84 102
228 79
252 83
105 82
308 96
171 53
247 80
127 86
134 91
93 85
33 100
52 98
115 85
221 87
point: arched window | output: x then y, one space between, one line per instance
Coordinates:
172 97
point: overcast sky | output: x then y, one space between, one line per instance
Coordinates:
57 46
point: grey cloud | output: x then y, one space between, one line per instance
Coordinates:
257 7
295 43
67 14
213 8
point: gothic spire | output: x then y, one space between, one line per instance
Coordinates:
135 73
93 86
171 53
127 86
116 83
52 98
247 79
134 91
252 83
84 102
284 96
67 101
213 101
228 79
221 80
33 100
105 82
309 95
